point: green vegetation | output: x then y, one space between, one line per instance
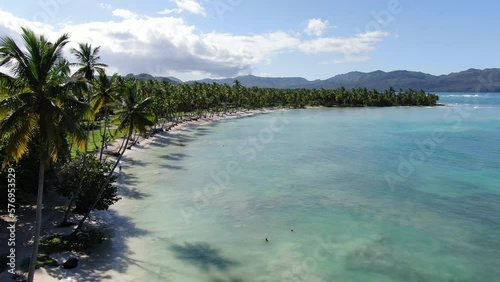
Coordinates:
464 81
42 261
96 139
46 114
81 242
38 107
95 172
45 260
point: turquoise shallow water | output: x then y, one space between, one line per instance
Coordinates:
372 194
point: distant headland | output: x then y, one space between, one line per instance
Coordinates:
471 80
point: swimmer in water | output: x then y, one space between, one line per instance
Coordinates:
267 241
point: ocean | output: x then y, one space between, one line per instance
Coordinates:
340 194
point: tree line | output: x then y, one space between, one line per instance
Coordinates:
46 112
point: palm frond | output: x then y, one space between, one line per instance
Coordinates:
82 109
17 128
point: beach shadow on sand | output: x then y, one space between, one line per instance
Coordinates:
165 138
132 193
172 167
202 256
127 179
112 255
174 157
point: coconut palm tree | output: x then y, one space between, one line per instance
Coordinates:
37 107
104 96
87 58
87 63
134 114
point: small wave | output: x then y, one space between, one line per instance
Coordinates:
468 105
464 95
483 107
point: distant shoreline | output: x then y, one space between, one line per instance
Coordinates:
467 81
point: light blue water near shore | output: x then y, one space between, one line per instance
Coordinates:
372 194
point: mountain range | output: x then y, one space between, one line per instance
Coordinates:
471 80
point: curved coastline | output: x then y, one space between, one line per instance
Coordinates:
122 256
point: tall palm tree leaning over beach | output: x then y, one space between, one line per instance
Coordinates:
135 114
35 110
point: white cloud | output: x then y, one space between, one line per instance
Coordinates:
10 25
360 43
250 49
191 6
347 59
105 6
316 27
166 44
126 14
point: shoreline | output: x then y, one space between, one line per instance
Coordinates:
112 148
124 248
116 217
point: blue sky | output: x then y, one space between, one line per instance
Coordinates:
193 39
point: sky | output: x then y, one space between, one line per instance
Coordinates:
316 39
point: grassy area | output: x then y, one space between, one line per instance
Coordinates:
95 138
95 135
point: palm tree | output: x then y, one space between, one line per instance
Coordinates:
134 114
103 97
37 108
88 63
87 60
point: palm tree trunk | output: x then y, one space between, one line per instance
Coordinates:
105 184
104 134
38 221
76 192
93 140
78 188
137 135
80 183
